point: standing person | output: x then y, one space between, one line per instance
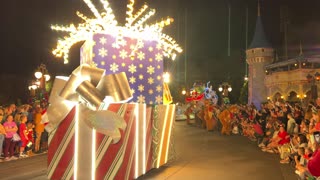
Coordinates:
2 136
291 124
23 132
298 114
39 128
11 128
30 145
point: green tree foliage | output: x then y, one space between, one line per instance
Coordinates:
243 98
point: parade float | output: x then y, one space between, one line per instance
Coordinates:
112 117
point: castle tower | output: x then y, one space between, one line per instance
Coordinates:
259 54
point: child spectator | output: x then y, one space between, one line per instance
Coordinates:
30 144
11 128
23 135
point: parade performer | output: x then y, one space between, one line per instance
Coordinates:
226 117
202 98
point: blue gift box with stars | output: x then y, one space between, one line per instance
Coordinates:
141 60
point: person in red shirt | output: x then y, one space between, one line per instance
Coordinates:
314 162
23 132
282 138
30 144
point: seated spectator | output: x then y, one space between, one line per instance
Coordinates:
308 153
300 161
298 141
258 132
314 162
268 135
313 165
282 138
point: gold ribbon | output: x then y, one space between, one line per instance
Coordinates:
94 91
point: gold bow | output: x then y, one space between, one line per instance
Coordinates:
94 90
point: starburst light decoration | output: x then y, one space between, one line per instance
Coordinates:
105 23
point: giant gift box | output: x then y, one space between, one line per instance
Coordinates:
78 151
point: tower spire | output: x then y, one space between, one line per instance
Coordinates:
259 39
258 7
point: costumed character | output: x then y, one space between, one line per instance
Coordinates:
211 99
208 115
211 94
196 95
226 118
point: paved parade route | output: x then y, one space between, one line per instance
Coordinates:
200 155
203 155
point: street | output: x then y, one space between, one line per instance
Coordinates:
198 155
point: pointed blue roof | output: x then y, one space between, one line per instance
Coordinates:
259 39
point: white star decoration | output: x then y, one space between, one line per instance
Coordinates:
103 40
159 57
103 52
150 80
132 68
150 70
141 99
114 67
159 99
140 55
140 88
123 54
159 88
132 80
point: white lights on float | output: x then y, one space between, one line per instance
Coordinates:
136 111
166 77
105 23
76 144
169 135
162 138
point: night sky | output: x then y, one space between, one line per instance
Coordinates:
200 27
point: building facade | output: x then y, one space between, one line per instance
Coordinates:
293 80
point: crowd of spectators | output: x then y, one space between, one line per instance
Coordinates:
22 133
285 129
